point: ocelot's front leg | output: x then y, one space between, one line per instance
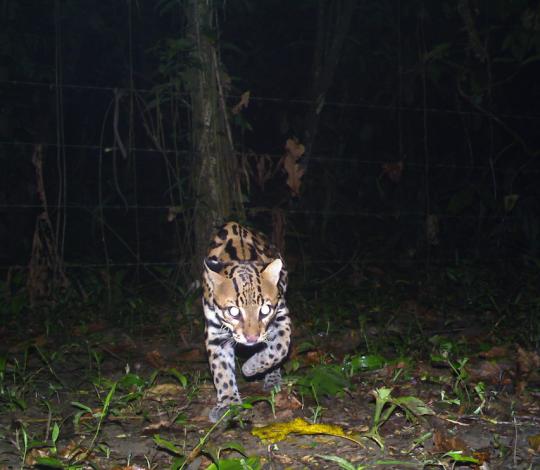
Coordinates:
221 357
277 347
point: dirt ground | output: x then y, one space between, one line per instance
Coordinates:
75 381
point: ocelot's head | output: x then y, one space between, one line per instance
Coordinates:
245 296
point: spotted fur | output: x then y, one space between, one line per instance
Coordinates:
244 284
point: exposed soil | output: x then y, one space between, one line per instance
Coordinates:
497 426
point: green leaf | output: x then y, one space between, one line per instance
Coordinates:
367 362
49 462
252 463
343 463
55 432
178 463
129 380
458 456
415 405
79 405
397 462
324 380
233 446
165 444
304 347
383 393
178 376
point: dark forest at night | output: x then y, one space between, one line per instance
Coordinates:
389 152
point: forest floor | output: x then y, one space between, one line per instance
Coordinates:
384 372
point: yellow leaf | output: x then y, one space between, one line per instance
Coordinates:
534 442
279 431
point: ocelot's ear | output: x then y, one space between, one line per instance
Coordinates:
271 272
213 268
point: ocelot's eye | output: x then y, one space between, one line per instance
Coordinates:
234 312
265 310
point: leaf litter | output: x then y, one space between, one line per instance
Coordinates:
417 386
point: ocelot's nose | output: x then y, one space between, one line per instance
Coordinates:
251 339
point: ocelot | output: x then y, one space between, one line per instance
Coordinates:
244 284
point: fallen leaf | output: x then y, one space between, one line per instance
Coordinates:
72 451
128 467
393 171
151 429
287 401
486 371
192 355
279 431
293 152
155 359
164 390
442 442
243 103
527 363
173 212
495 352
34 454
534 442
482 455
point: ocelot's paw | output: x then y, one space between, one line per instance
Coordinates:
271 380
253 367
221 408
217 412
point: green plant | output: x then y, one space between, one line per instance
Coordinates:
323 379
99 415
342 463
13 382
13 296
385 405
317 412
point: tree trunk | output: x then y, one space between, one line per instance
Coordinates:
215 180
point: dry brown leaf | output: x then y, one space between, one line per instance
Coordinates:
293 152
287 401
243 103
38 341
71 450
442 442
495 352
164 390
94 327
393 171
127 467
192 355
316 357
527 363
173 212
153 427
155 359
34 454
486 371
482 455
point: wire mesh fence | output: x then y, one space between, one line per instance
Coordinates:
386 180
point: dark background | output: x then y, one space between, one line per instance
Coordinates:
410 86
